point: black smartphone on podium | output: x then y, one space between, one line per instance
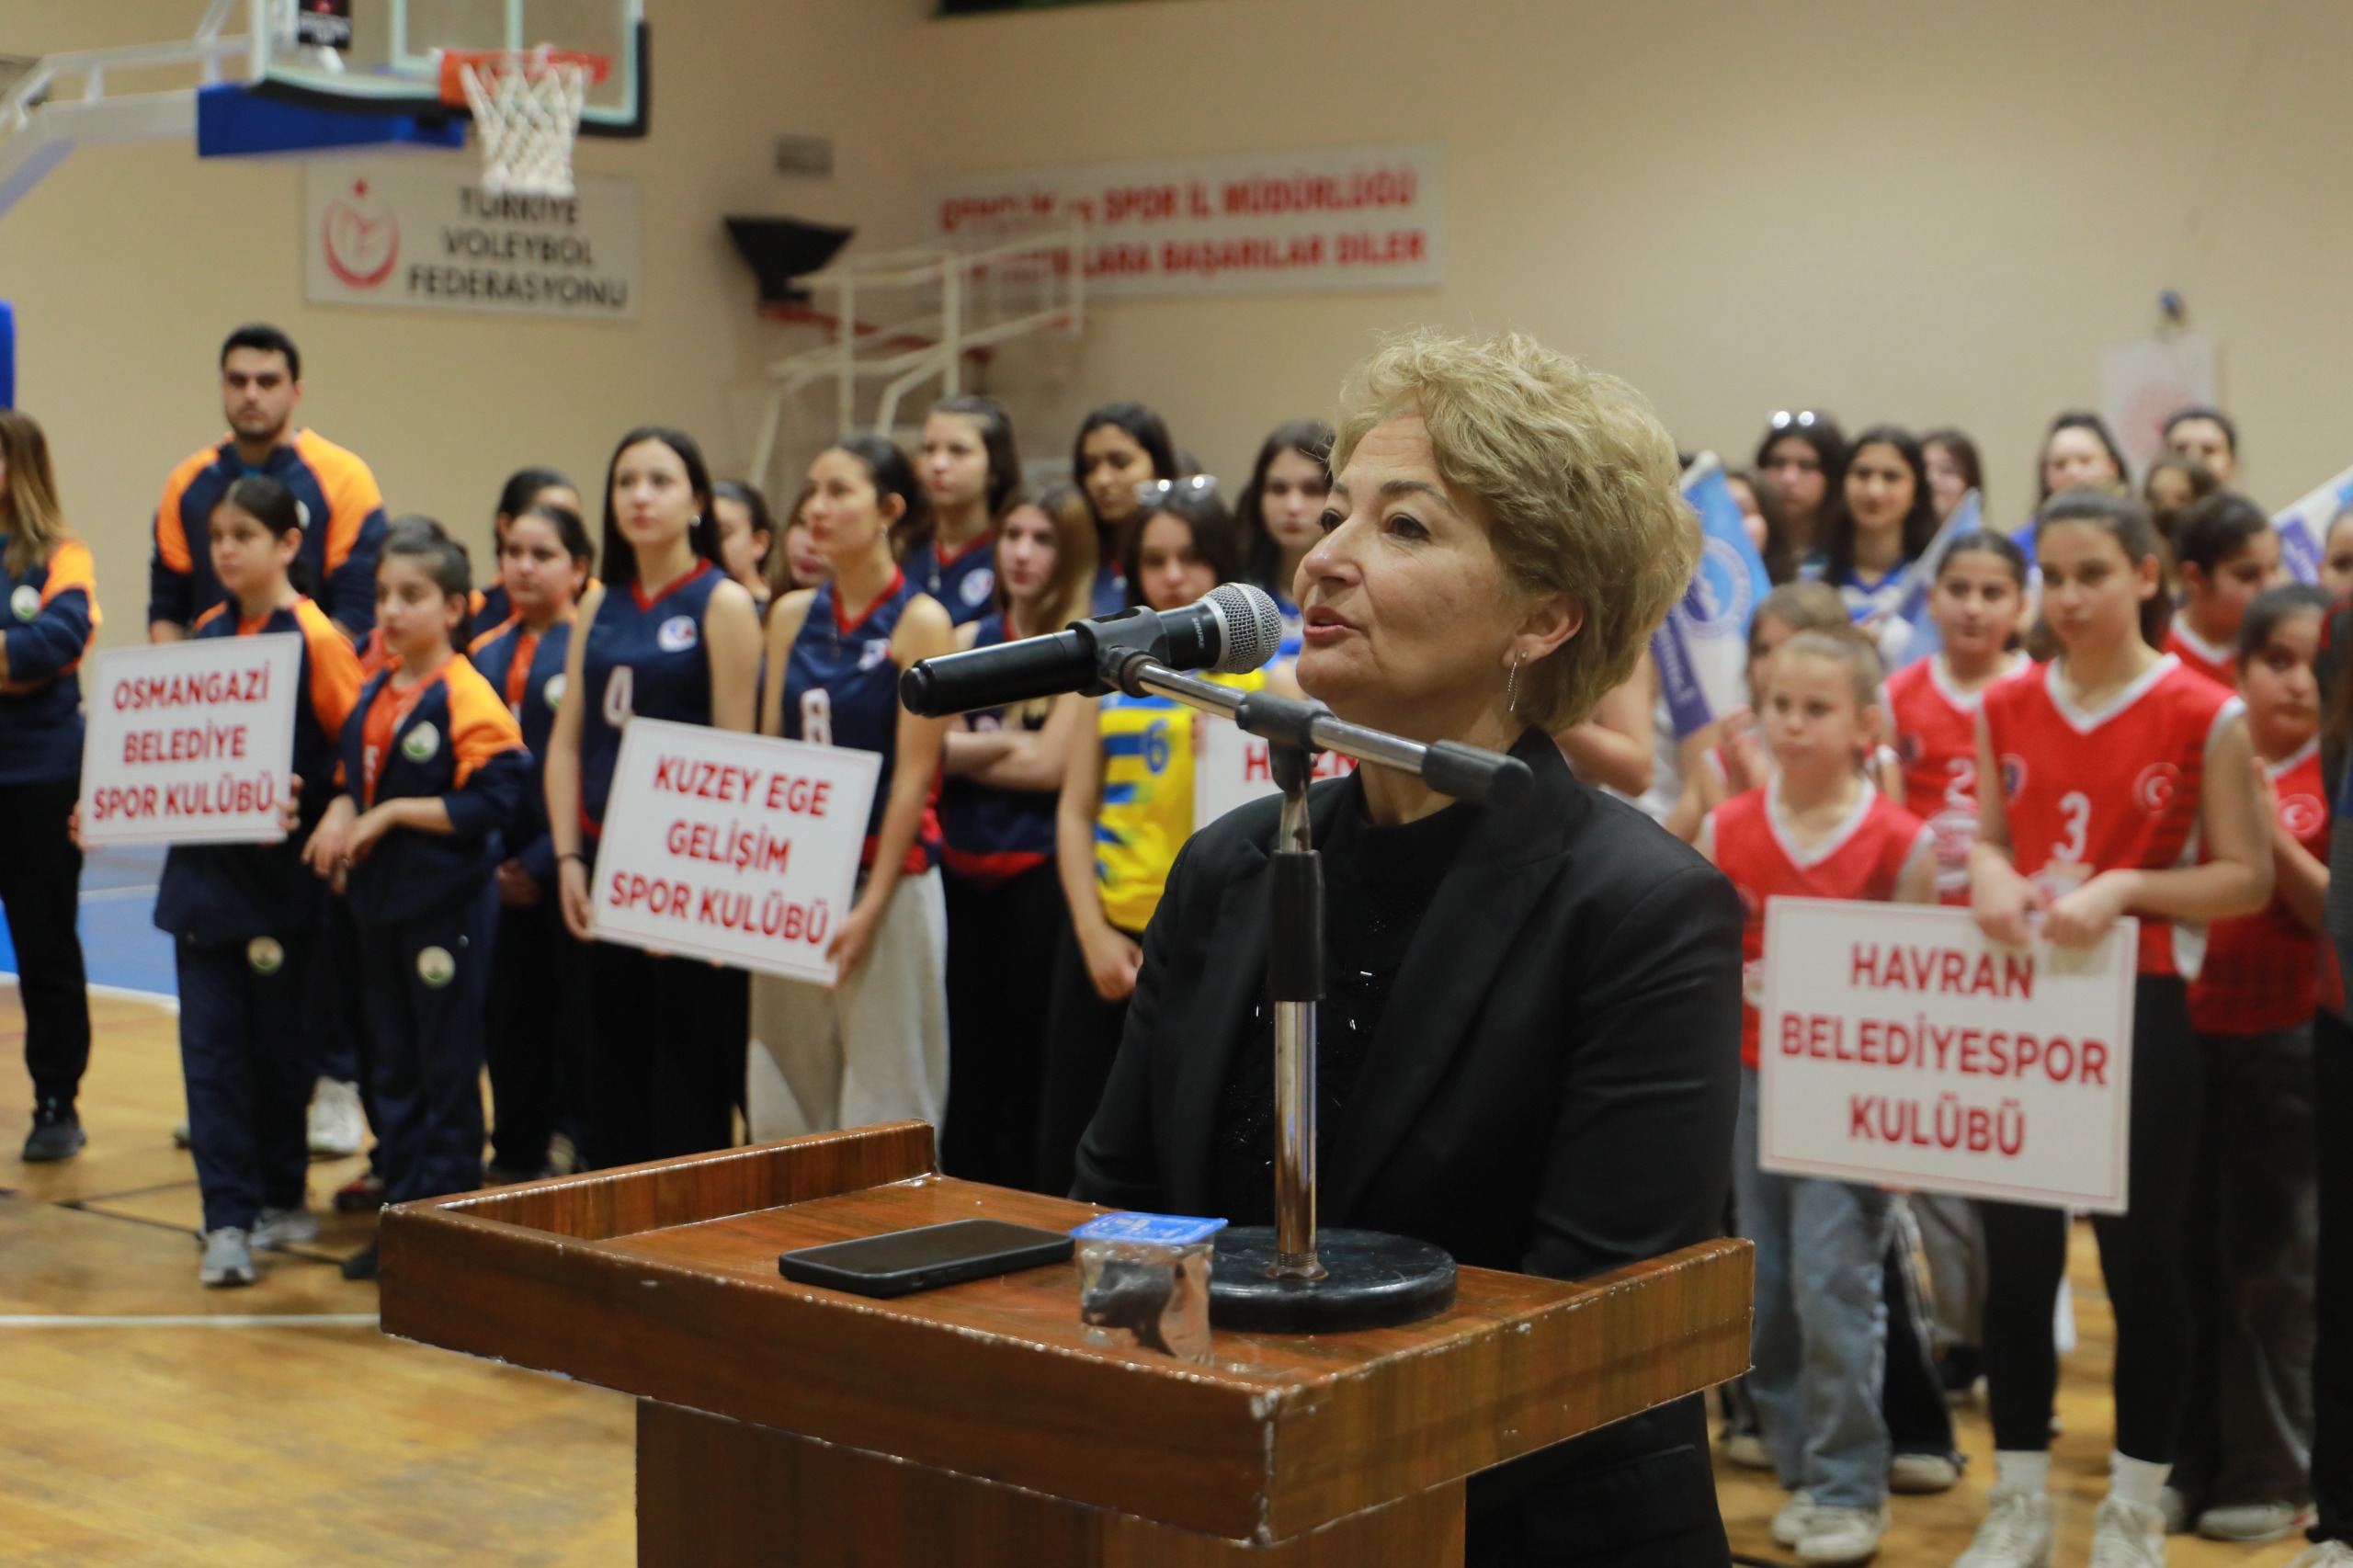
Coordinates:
900 1262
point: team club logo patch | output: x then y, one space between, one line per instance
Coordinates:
676 635
2013 773
303 512
2302 815
267 955
552 693
25 602
1910 747
435 967
872 656
2158 788
421 743
978 586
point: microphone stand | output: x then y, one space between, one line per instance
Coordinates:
1284 1279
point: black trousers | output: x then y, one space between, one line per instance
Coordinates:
1638 1494
242 1015
41 887
1911 1397
1082 1036
667 1053
426 982
1001 943
537 1044
2246 1433
2140 1256
2332 1351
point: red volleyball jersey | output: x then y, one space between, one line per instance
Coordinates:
1752 844
2112 790
2269 971
2217 663
1935 741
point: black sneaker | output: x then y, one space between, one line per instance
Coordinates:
56 1134
361 1264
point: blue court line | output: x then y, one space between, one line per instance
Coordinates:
122 949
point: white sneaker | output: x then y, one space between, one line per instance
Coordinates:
228 1258
2126 1536
2326 1554
1840 1536
1917 1473
1749 1450
2254 1522
285 1227
337 1126
2016 1534
1789 1524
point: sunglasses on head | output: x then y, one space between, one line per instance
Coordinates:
1800 418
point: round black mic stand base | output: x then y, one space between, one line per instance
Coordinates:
1371 1280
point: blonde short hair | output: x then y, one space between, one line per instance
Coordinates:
1578 478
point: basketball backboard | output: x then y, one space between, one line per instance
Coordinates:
387 59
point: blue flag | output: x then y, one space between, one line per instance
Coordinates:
1918 637
1702 645
2303 527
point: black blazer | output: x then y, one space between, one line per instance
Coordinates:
1552 1090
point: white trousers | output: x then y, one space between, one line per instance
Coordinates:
872 1049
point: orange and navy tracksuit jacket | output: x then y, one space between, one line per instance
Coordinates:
232 892
448 736
46 617
342 529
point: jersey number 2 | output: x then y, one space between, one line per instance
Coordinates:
817 716
2076 811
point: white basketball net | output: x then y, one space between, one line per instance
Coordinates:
529 109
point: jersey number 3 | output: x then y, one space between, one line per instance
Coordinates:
2076 811
817 716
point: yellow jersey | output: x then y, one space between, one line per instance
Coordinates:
1146 811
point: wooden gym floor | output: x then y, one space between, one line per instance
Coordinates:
289 1431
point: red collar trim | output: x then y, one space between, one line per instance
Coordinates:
846 626
637 590
981 542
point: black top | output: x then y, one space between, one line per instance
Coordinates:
1550 1089
1377 883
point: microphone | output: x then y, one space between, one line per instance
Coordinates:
1236 629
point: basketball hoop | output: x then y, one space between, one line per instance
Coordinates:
527 105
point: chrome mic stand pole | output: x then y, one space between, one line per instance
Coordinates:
1295 984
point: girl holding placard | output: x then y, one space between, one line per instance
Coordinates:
433 772
1818 828
873 1046
2244 1443
2111 782
667 634
536 979
245 919
51 612
1006 914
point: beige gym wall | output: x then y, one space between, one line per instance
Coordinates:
1916 214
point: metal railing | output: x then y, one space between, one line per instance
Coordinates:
972 314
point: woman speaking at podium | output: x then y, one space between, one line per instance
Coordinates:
1528 1045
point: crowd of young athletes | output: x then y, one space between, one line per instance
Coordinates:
428 915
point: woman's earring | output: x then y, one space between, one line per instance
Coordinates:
1511 684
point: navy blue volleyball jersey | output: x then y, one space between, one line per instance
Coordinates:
990 836
525 668
222 892
841 688
964 582
642 656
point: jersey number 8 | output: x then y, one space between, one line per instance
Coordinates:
817 716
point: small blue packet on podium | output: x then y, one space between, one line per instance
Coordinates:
1144 1282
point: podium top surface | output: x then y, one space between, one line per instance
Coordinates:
661 1281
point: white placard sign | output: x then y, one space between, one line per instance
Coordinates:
190 743
740 848
421 233
1242 223
1231 770
1898 1046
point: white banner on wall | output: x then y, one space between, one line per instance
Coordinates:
190 743
2145 380
739 849
1245 222
1898 1046
421 233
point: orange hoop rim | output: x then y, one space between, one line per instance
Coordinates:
597 67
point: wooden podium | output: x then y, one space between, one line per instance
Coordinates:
783 1424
